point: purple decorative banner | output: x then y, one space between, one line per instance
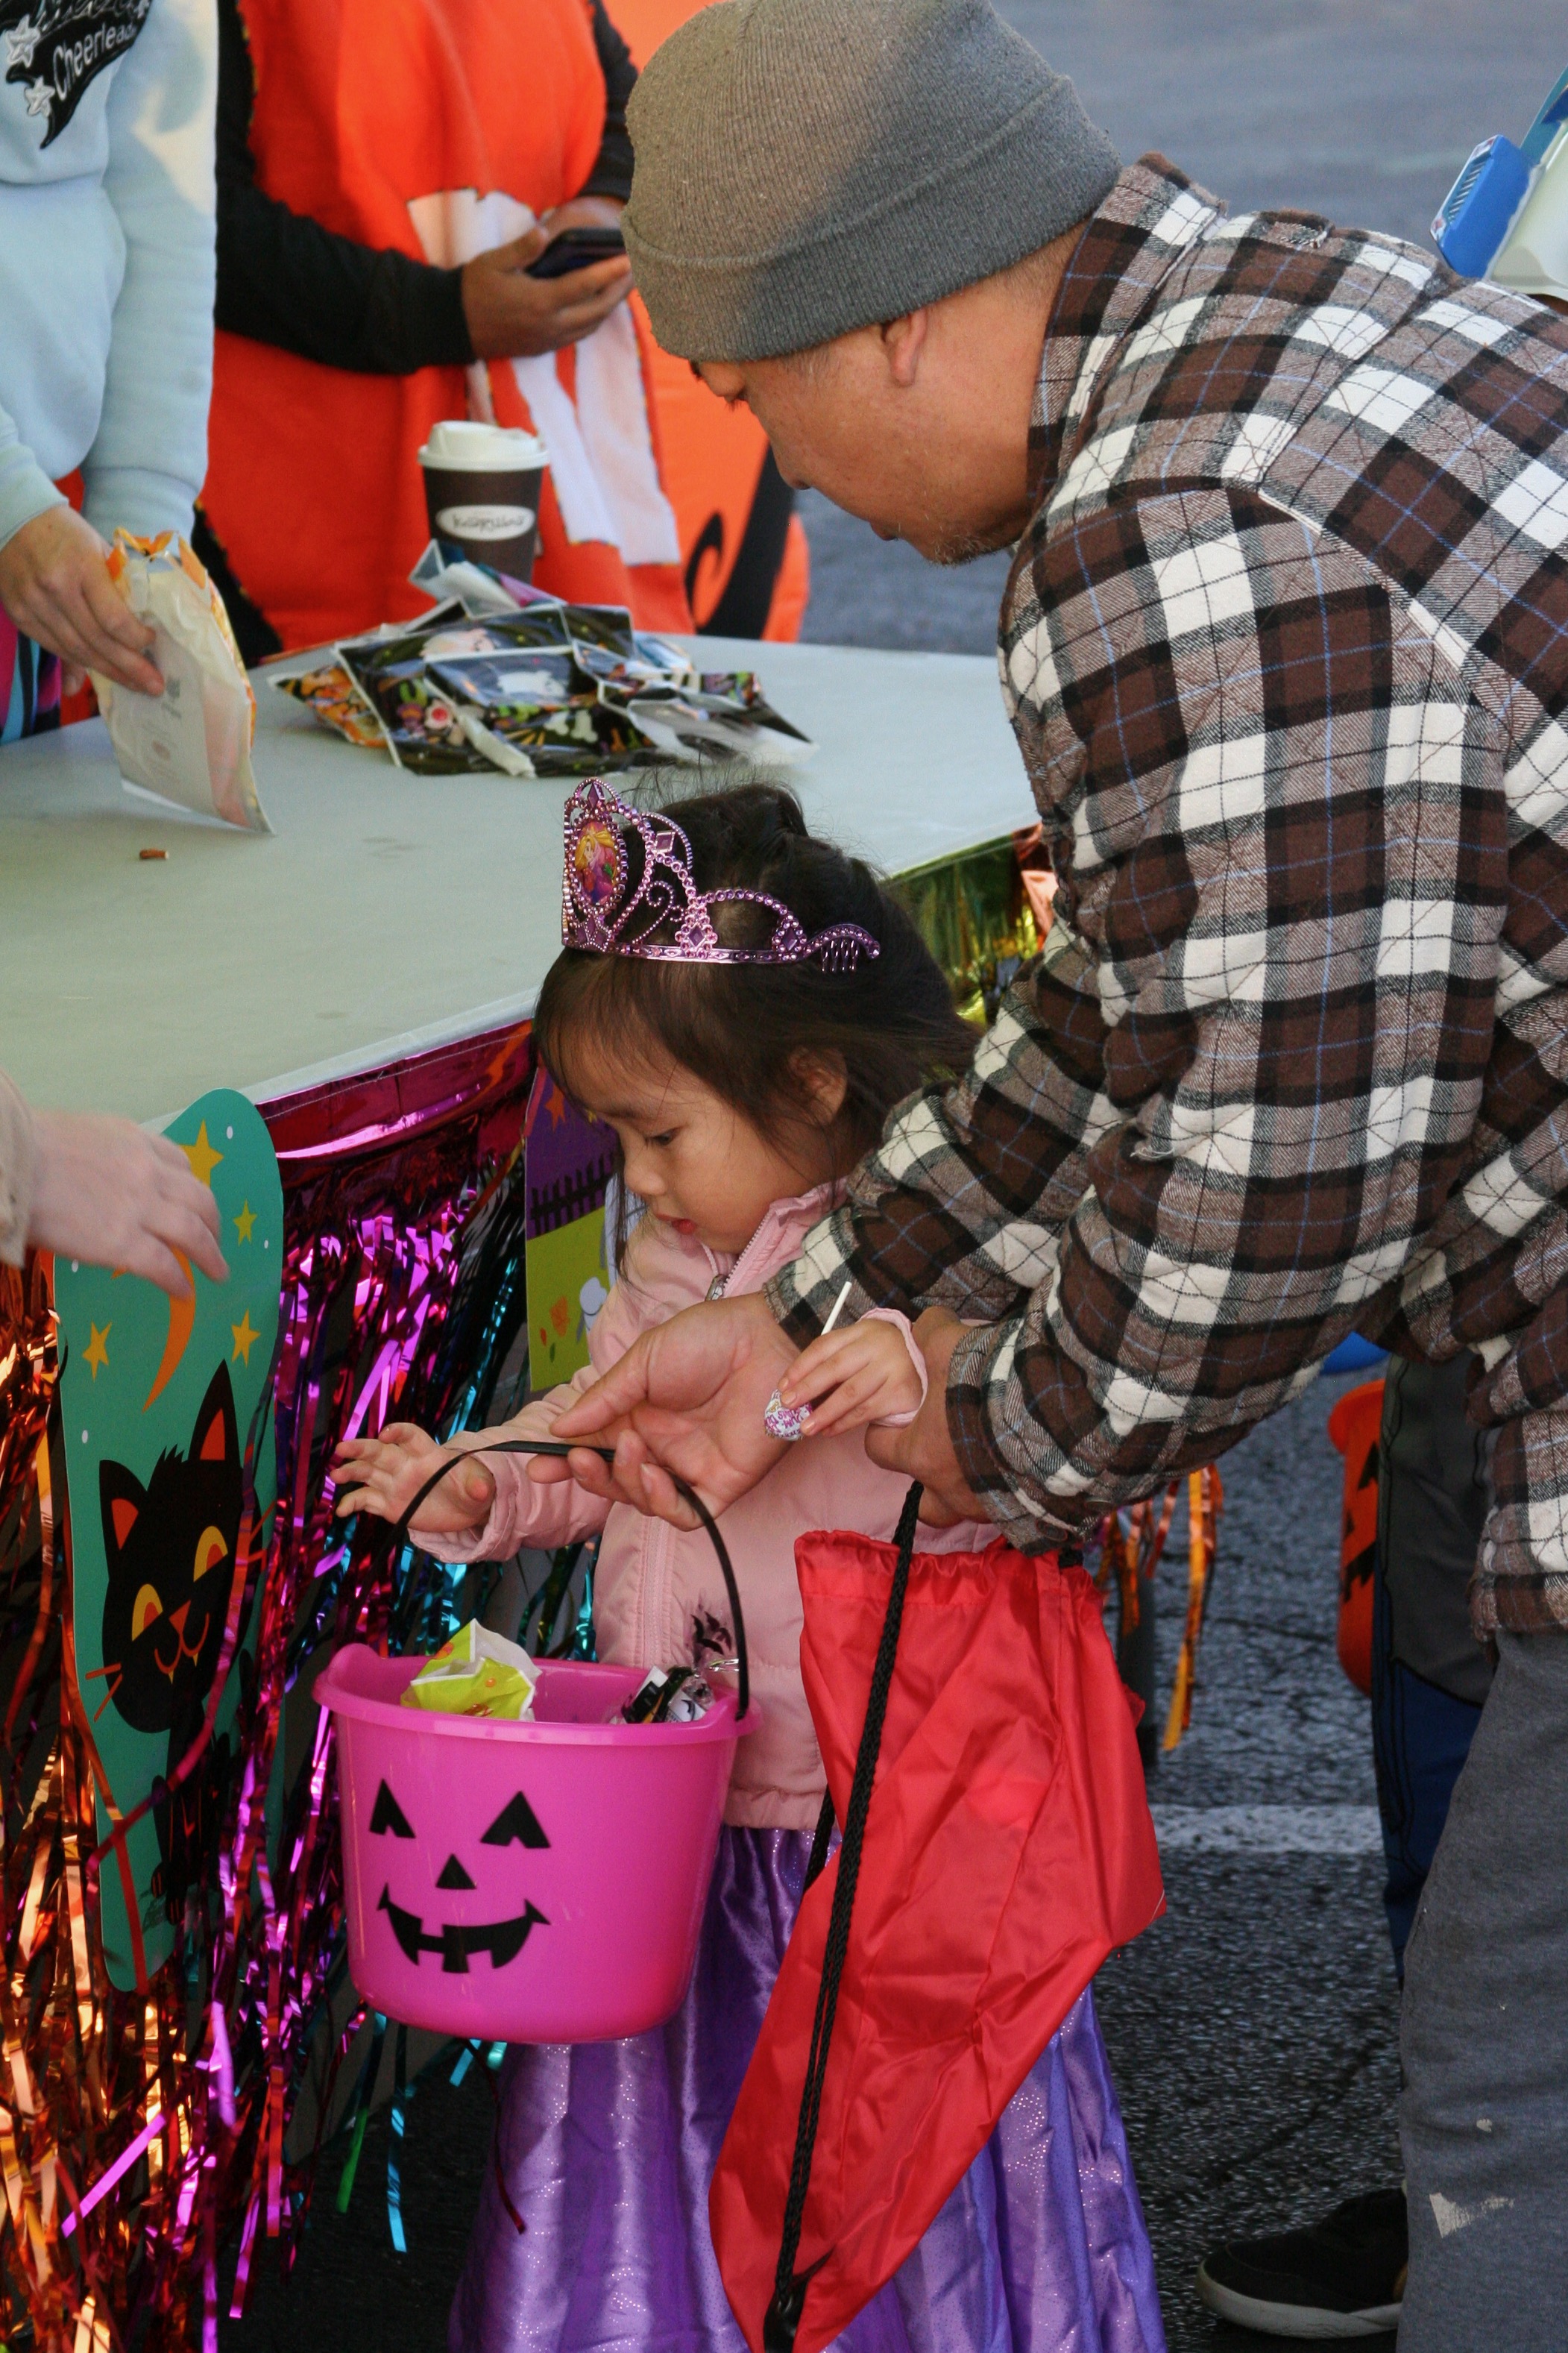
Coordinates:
569 1163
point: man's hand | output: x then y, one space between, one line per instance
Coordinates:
924 1450
105 1192
55 584
512 316
690 1396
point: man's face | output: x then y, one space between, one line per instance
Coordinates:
873 426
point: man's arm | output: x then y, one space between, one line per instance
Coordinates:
148 457
963 1203
1280 827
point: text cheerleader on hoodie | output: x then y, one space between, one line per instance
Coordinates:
107 235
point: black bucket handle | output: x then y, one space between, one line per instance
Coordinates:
782 2319
559 1448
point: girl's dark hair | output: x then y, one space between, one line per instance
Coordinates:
744 1030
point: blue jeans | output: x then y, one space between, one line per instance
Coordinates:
1428 1677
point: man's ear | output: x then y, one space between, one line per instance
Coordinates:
903 344
823 1081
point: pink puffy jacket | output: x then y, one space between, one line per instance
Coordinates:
652 1579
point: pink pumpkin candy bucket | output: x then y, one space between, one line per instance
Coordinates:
539 1881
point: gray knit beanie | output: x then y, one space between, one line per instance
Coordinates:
805 167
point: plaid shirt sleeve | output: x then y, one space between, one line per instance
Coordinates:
1196 1150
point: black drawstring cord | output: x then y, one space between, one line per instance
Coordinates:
559 1448
782 2317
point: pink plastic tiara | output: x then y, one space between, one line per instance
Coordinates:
616 901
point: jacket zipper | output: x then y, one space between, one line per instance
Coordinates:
658 1551
659 1536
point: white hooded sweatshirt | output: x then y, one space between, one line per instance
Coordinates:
107 232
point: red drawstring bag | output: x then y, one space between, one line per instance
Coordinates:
981 1754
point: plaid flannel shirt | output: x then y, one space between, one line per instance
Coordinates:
1285 648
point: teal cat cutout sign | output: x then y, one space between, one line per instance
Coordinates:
165 1409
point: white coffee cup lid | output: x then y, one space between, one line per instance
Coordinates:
471 448
484 523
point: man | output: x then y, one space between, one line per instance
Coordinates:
1284 646
105 324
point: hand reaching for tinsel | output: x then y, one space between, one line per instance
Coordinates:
105 1192
382 1475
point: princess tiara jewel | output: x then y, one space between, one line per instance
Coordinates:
627 889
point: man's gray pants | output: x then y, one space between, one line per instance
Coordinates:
1484 2033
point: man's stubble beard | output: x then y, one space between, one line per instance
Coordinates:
969 546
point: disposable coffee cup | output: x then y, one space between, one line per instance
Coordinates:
482 493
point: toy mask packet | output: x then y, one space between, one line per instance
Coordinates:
668 1696
476 1673
192 744
330 694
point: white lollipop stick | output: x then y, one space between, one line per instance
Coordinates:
837 1309
781 1420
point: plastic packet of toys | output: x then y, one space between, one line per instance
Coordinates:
190 744
544 689
476 1673
670 1696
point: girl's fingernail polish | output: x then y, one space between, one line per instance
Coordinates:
787 1421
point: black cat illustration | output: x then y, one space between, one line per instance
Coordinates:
170 1548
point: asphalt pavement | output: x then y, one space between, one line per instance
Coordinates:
1253 2029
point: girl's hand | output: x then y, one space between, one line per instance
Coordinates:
851 1378
383 1474
923 1449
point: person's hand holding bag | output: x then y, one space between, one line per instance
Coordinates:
55 584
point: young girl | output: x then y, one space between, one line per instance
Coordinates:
743 1093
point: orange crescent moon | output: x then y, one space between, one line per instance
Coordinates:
182 1322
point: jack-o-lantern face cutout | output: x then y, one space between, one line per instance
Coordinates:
517 1823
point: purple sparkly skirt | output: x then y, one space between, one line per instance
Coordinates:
607 2149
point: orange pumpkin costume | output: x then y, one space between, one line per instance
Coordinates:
747 567
436 128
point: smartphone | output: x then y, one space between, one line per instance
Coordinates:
577 249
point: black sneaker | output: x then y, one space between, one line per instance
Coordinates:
1340 2277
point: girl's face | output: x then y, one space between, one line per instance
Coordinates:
695 1162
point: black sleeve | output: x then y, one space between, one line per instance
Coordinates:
284 279
612 172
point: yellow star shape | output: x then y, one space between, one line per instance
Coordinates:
202 1157
95 1354
244 1222
245 1339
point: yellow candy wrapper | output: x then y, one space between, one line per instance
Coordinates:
476 1673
